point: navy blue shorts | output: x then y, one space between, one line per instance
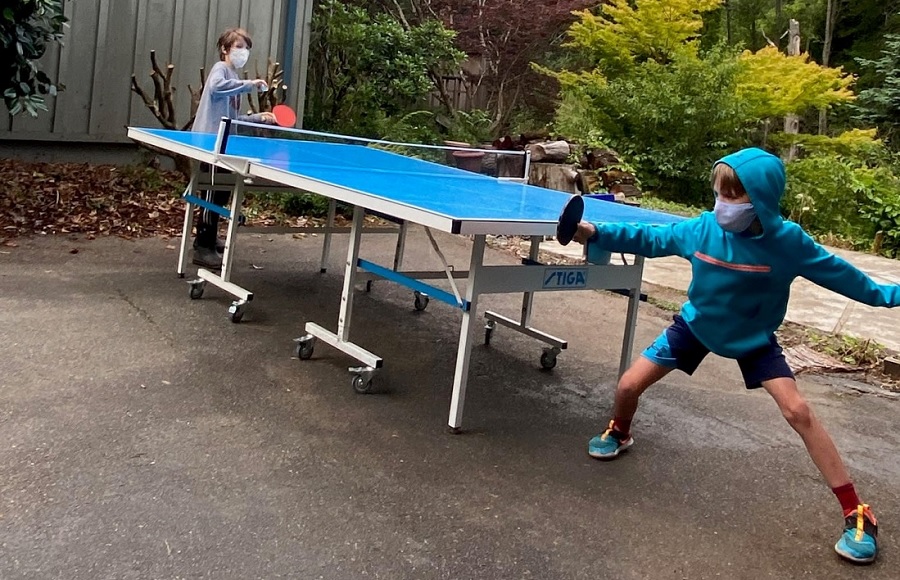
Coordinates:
678 348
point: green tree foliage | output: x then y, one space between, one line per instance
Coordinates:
880 105
647 93
623 32
861 30
774 84
743 23
367 68
671 109
844 188
27 27
670 122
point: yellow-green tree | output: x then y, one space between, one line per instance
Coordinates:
774 84
626 32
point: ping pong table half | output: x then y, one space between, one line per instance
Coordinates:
414 191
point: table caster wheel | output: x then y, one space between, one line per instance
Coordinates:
305 347
368 285
197 289
548 359
236 312
455 430
361 385
489 331
421 302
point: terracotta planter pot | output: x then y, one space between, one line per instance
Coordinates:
448 154
469 160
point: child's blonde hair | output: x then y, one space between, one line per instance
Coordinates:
724 179
229 37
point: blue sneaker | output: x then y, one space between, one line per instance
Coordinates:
859 542
609 444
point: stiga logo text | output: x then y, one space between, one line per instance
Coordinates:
565 278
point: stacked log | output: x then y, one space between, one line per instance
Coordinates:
606 165
554 166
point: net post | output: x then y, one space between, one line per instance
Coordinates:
222 136
525 178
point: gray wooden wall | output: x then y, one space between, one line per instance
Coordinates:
108 40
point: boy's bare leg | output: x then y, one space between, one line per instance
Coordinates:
637 379
858 542
818 443
617 437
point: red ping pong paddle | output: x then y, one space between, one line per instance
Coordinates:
284 115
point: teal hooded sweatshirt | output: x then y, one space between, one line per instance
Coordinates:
740 286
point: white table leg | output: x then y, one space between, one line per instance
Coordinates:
466 336
634 299
326 245
188 219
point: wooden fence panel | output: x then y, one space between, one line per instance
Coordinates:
115 56
159 33
107 41
71 109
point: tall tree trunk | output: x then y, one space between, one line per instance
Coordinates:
830 17
792 122
728 21
779 16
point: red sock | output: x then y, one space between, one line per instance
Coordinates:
622 425
846 494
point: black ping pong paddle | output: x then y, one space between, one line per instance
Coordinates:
568 220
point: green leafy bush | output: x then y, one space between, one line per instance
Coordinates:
881 104
370 68
849 192
659 204
471 126
27 27
670 122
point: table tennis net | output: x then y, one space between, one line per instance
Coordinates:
263 141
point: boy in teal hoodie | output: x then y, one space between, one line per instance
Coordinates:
744 257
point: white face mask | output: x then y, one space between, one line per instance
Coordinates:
239 57
734 217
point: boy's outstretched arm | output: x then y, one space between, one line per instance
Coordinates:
222 86
644 240
827 270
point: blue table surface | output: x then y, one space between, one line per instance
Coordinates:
448 191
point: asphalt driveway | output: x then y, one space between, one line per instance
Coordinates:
146 436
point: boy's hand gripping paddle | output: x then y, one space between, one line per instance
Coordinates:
284 115
569 219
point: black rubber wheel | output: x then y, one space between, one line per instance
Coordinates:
421 302
548 361
237 315
304 351
196 292
362 386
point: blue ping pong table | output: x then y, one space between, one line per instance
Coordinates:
413 191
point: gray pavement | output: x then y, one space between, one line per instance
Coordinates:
145 436
810 305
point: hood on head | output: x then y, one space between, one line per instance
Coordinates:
762 175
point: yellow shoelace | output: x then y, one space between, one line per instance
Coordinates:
860 521
608 431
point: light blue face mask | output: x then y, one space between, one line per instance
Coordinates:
734 217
